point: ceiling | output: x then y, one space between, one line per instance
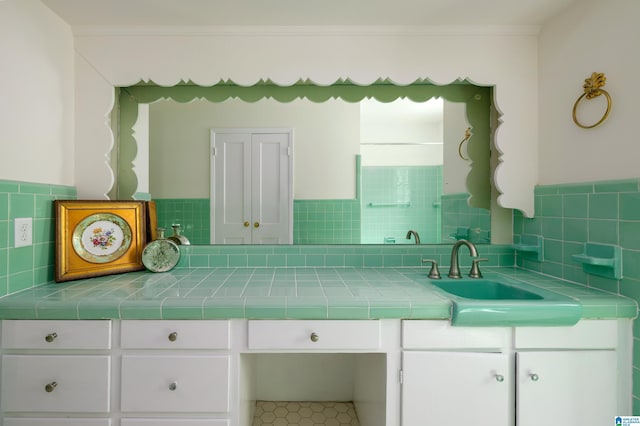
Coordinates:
83 13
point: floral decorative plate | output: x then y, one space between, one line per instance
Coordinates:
160 255
101 238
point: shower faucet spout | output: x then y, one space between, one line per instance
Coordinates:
415 236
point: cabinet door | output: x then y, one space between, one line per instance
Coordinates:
442 388
570 388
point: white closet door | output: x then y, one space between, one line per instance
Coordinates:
252 191
270 188
231 174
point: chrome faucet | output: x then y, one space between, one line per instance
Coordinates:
415 236
454 269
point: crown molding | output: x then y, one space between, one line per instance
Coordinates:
301 31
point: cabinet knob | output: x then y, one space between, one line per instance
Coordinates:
173 336
256 225
534 377
314 337
499 378
49 387
51 337
246 224
173 386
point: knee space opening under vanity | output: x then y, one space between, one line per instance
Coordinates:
333 389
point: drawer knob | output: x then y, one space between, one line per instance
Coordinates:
314 337
499 378
51 337
49 387
173 336
173 386
534 377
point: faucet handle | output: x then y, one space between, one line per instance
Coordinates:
434 273
475 268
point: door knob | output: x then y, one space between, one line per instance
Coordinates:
256 225
246 224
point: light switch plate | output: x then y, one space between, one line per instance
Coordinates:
23 235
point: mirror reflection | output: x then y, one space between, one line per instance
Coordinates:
367 172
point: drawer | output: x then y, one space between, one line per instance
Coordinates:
25 421
167 334
586 334
314 335
45 334
175 422
420 334
80 383
175 384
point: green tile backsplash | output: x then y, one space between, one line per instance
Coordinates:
366 256
26 267
568 217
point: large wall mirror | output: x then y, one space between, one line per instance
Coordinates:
370 162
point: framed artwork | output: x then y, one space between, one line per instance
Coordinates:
152 221
95 238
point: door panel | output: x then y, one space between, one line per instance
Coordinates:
270 189
232 188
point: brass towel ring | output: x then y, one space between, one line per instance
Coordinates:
467 136
592 89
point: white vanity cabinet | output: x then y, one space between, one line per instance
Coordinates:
56 373
396 372
526 376
175 368
455 375
573 372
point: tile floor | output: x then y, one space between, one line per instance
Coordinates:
271 413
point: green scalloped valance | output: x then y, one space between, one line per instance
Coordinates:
382 90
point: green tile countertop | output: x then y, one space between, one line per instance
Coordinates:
274 293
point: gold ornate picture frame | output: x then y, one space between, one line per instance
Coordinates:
95 238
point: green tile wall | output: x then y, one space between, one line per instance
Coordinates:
568 216
26 267
397 199
459 220
193 215
326 222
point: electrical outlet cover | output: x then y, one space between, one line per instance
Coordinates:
23 235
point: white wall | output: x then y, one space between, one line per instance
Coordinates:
326 142
505 58
592 36
36 94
